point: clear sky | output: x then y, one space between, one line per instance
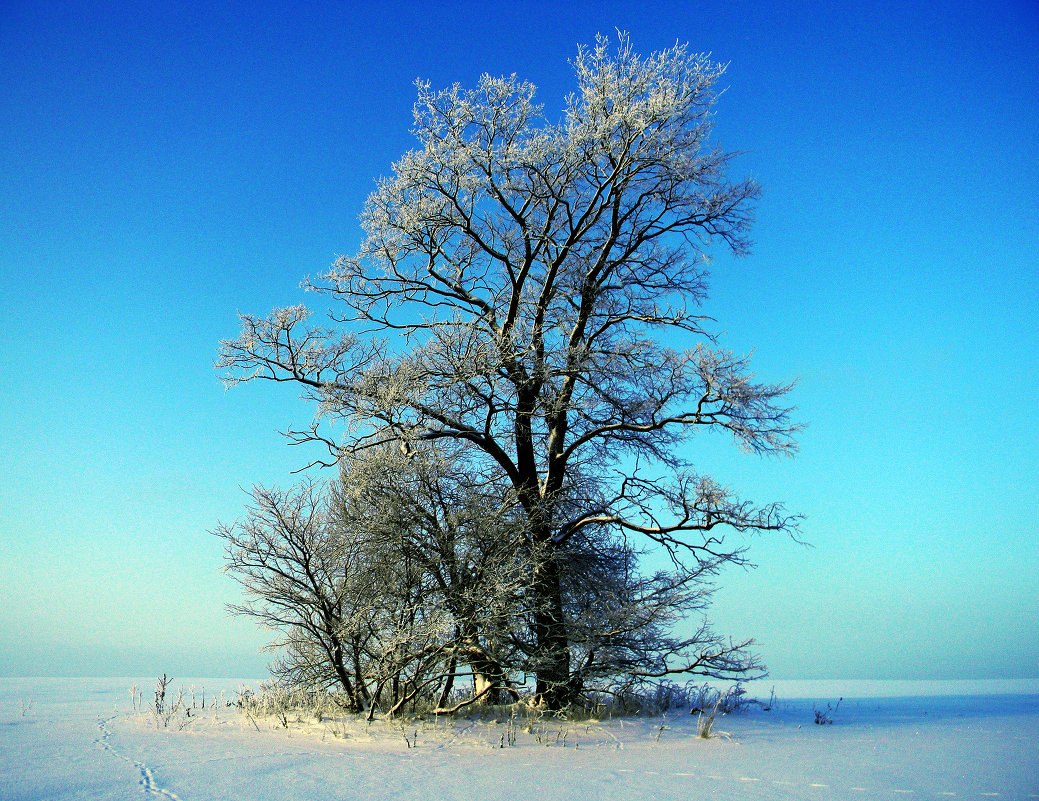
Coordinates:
164 166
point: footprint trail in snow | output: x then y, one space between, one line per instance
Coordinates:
147 780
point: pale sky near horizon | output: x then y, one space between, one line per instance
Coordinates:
164 167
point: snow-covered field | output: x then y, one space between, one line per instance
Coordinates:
82 739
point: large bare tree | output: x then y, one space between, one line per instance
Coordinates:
531 290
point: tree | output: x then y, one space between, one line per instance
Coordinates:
305 583
384 582
510 298
431 510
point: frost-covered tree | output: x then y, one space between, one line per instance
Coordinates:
308 584
522 293
465 545
387 584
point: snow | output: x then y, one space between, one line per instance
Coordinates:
81 739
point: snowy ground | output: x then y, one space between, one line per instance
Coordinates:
81 739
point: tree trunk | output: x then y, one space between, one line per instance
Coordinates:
445 693
344 677
489 679
552 660
363 696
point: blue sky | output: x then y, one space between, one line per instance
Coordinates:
162 168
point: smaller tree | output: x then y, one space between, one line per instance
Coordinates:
384 583
306 583
459 530
353 612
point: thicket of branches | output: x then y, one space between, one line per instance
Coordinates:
512 419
